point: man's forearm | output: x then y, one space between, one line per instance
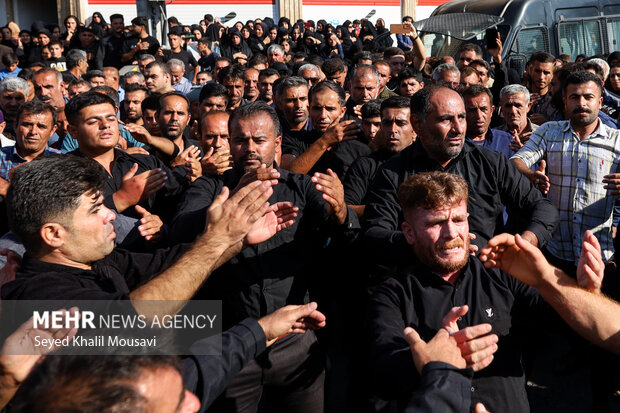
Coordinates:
304 162
183 279
419 52
163 145
593 316
522 167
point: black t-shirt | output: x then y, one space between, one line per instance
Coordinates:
207 63
59 64
113 50
186 57
131 42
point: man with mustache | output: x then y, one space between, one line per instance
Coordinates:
486 311
438 117
582 177
273 273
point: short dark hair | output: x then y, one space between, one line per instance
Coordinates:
270 71
289 82
89 383
116 16
211 90
150 103
481 62
10 59
408 73
542 57
331 67
235 71
321 86
470 47
395 102
35 107
42 191
430 190
164 67
139 21
581 77
392 51
84 100
253 108
371 109
93 73
108 91
258 59
135 87
477 90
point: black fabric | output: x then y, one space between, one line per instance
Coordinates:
163 202
420 299
132 41
493 181
111 278
274 273
208 376
338 158
113 50
286 378
443 388
361 174
186 57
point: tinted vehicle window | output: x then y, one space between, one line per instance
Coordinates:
531 40
582 37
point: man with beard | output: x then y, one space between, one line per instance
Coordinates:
331 144
232 79
158 78
173 118
515 103
582 178
438 118
275 272
291 99
395 135
134 95
443 287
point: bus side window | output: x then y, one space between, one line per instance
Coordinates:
580 37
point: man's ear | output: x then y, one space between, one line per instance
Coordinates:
72 131
278 144
416 123
409 233
53 234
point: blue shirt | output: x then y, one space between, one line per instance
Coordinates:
498 141
4 73
69 144
184 86
9 159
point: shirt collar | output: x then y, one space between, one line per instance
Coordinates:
601 130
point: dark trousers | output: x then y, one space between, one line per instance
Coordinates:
288 377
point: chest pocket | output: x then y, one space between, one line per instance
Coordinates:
500 322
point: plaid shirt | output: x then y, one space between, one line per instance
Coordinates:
575 169
9 159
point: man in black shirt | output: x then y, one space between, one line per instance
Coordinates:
332 144
442 278
276 272
114 43
438 118
177 52
140 43
395 135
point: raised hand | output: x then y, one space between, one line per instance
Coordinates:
292 319
442 347
476 344
216 162
191 151
612 182
539 179
151 226
280 216
590 268
263 173
343 131
333 193
230 219
136 188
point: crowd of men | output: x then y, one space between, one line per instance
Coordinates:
453 219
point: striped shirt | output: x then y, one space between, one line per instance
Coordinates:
575 169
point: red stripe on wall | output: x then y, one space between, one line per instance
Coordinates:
352 3
197 2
